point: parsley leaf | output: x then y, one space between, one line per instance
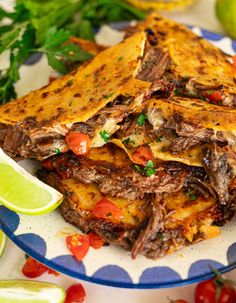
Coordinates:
105 136
141 119
128 141
148 170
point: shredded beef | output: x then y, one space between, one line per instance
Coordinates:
218 163
123 182
154 64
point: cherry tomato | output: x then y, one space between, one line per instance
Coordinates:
78 245
47 164
79 143
75 294
106 209
142 155
53 272
95 241
33 269
215 96
205 292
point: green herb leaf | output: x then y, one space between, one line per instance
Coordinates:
56 63
150 168
141 119
105 136
128 141
108 96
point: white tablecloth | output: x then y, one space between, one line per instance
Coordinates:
201 14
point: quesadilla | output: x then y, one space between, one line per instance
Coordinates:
159 213
198 68
92 99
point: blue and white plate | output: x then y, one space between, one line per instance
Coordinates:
43 237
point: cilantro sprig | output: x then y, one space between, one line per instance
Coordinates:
46 26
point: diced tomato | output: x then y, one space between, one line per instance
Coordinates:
215 96
142 155
78 245
95 241
105 209
234 61
33 269
79 143
75 294
53 272
47 164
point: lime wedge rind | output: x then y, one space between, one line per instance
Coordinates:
3 241
55 197
30 291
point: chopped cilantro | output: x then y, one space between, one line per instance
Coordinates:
57 151
159 139
186 78
150 168
138 168
209 92
191 194
160 235
70 82
108 96
177 92
141 119
128 141
105 136
163 149
120 58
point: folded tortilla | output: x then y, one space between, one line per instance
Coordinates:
179 127
196 64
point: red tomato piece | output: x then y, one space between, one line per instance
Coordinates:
79 143
78 245
75 294
95 241
53 272
105 209
47 164
33 269
142 155
205 292
215 96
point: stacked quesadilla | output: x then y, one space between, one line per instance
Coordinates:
140 140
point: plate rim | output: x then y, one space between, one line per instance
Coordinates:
212 36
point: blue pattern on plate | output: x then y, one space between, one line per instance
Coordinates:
231 253
69 263
201 267
9 219
159 274
33 242
113 273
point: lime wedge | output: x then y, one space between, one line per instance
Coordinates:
3 240
30 291
22 192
